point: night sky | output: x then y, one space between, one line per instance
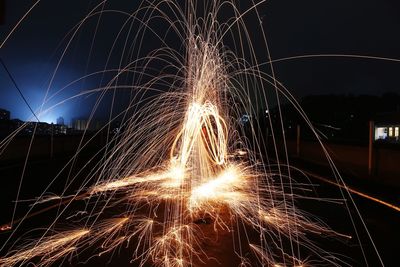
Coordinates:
362 27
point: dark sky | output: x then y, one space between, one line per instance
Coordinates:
362 27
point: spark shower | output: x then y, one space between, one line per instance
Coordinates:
183 172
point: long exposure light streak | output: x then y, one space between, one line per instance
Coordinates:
182 171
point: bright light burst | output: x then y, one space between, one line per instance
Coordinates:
182 162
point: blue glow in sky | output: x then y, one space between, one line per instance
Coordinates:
33 80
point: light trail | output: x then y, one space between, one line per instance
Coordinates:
18 23
352 190
182 158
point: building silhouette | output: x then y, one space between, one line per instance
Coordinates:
60 121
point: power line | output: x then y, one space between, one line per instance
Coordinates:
16 86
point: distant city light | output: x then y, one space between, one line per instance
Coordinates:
244 119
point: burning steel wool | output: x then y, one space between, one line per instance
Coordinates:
203 178
182 165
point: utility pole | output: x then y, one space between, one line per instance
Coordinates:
370 146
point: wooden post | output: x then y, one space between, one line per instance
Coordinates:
370 146
298 141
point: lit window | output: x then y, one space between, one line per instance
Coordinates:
390 131
380 133
396 132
